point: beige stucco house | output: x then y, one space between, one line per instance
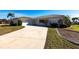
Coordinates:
48 20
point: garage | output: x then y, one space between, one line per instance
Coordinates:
24 23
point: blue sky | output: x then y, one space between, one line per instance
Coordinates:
35 13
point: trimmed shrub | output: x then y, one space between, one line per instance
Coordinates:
54 25
68 23
64 23
19 22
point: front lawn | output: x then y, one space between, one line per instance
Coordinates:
54 41
73 27
8 29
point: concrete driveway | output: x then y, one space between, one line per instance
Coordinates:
29 37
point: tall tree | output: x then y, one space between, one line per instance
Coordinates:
11 15
67 18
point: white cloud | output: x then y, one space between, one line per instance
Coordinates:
74 15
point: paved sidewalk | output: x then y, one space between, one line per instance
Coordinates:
30 37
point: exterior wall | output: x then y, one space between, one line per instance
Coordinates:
50 20
30 22
37 22
54 20
40 23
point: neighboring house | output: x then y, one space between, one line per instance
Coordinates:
49 20
4 22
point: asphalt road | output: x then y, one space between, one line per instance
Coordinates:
69 35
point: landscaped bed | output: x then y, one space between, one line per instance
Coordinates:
73 28
54 41
8 29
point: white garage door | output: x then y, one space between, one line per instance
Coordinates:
24 24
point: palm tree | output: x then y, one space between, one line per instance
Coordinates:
11 15
75 18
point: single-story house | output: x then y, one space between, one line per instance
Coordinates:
49 20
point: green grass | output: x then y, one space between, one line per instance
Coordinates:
54 41
73 27
8 29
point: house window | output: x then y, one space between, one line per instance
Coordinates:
43 21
